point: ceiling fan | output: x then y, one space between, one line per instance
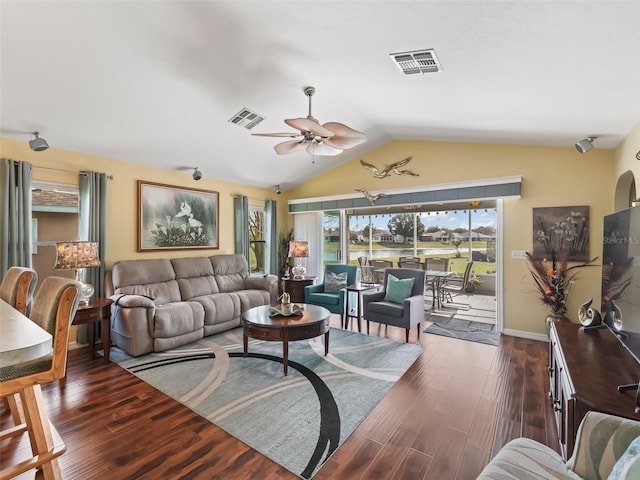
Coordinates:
328 139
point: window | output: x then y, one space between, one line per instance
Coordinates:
257 241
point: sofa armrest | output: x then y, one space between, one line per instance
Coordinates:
261 282
600 442
132 301
264 282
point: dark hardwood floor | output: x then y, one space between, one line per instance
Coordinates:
446 417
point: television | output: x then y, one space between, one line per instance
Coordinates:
620 305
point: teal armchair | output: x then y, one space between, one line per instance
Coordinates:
334 302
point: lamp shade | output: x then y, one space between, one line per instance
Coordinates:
74 255
298 249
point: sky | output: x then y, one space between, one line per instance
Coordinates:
450 220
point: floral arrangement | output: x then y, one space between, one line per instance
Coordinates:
554 279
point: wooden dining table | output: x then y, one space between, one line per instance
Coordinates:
21 340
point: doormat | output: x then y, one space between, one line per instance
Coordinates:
465 330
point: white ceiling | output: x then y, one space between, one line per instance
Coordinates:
155 82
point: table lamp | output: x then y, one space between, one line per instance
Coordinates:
76 256
298 250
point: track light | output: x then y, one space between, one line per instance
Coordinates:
197 174
586 144
38 144
278 190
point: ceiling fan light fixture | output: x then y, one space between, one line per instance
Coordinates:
328 139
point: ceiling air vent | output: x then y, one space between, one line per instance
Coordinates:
246 118
419 61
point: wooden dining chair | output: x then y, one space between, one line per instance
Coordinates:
17 288
53 309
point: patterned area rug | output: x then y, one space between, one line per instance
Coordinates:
297 420
464 329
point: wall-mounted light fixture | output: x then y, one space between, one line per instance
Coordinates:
38 144
197 174
586 144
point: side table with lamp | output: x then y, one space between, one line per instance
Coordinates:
298 249
76 256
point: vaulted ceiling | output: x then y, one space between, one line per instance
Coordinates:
156 82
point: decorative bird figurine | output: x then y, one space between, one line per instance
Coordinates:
389 169
372 198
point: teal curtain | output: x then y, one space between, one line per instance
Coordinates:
92 220
271 236
241 216
15 214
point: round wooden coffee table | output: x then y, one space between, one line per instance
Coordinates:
313 322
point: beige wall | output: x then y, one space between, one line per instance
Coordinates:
122 195
627 167
551 177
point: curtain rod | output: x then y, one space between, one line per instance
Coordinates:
110 177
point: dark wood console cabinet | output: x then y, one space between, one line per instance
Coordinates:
585 369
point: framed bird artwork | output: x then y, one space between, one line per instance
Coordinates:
176 218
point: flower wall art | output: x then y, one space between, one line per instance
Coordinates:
561 231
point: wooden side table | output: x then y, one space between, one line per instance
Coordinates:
295 288
98 309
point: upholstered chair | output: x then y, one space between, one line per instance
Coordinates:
396 304
331 293
17 288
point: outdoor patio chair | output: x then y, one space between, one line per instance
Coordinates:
456 285
378 269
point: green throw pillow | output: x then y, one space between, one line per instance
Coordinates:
628 465
398 289
333 282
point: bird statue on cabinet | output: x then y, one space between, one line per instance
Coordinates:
372 198
389 169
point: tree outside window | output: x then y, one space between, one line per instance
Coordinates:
257 243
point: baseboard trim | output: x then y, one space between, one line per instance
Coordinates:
528 335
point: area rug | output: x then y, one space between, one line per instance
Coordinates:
465 330
297 420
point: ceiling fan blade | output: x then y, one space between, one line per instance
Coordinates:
344 137
290 135
322 149
289 147
306 125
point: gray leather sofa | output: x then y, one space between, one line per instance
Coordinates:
161 304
